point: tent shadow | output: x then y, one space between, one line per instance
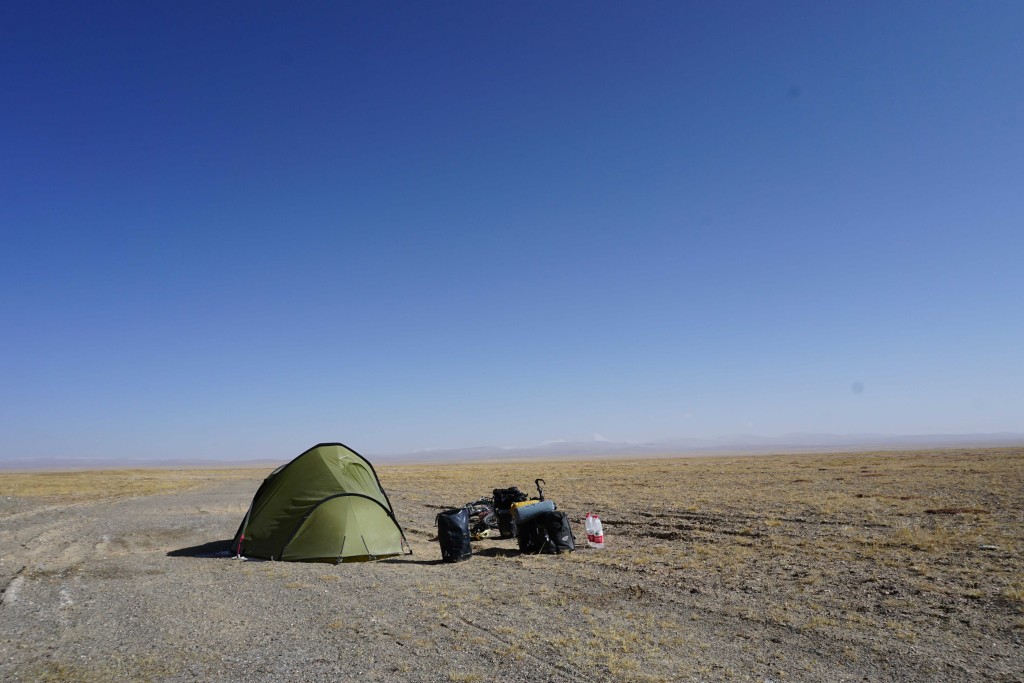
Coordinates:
211 549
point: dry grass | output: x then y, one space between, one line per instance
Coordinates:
75 487
853 551
142 668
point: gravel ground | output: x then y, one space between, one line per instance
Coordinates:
92 594
139 589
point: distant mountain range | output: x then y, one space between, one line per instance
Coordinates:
741 444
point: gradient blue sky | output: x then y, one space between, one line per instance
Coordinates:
245 228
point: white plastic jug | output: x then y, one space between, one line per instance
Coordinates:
595 533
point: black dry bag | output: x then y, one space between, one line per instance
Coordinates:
453 535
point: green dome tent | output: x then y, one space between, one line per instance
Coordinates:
326 505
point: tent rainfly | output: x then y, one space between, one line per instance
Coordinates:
326 505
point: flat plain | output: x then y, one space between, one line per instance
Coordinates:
843 567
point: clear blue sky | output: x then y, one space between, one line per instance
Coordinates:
246 228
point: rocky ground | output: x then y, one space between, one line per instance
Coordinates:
793 568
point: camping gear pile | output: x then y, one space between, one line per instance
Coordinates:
327 505
536 523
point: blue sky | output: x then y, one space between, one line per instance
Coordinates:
243 228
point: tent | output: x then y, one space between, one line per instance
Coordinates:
325 505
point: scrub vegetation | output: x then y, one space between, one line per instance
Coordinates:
879 566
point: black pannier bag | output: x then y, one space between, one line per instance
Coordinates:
548 532
532 538
503 499
559 531
453 535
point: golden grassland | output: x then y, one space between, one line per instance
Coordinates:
952 477
901 509
852 551
90 485
919 499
